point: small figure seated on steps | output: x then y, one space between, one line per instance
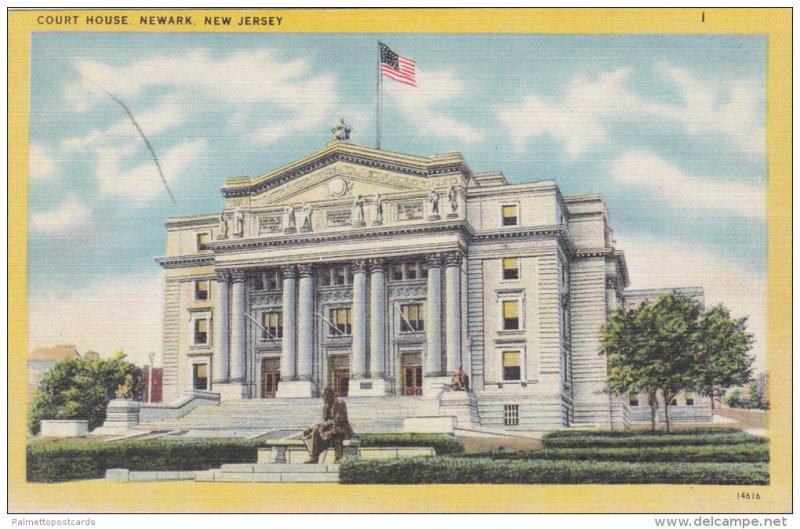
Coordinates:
460 380
333 429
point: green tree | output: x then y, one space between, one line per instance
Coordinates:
757 398
77 388
670 346
734 399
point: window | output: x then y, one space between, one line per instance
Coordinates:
511 365
689 398
272 323
200 376
510 215
339 276
511 414
201 290
397 272
201 331
510 268
341 324
413 318
673 402
633 399
511 315
272 280
202 240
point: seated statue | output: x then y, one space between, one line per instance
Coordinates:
460 380
333 429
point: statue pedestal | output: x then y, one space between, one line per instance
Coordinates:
434 217
367 387
295 389
359 224
230 391
121 416
462 405
289 230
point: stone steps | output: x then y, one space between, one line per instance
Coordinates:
272 473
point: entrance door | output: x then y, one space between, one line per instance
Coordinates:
270 377
412 380
341 382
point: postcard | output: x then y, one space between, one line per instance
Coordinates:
392 261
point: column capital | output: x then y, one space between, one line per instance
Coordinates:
237 275
289 271
453 258
377 265
223 274
434 260
359 265
305 270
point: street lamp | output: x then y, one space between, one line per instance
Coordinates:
150 379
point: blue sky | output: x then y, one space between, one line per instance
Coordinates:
669 129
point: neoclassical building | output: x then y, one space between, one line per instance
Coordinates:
381 274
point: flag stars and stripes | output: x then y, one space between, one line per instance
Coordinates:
396 67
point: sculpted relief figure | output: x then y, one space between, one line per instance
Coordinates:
289 218
433 198
341 131
452 196
223 226
358 210
377 213
238 224
307 211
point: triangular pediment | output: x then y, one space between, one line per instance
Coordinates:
344 170
340 180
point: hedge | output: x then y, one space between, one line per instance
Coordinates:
484 470
741 453
442 444
65 461
639 433
643 440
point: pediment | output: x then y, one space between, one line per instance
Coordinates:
340 180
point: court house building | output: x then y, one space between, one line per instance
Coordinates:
381 274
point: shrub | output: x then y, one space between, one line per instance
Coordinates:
646 439
77 388
484 470
65 461
442 444
741 453
644 433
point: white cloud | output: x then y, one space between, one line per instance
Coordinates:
143 181
423 105
42 166
112 313
656 262
580 118
71 215
241 79
684 191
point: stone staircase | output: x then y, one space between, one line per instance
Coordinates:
277 418
272 473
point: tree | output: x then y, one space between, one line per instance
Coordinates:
671 346
77 388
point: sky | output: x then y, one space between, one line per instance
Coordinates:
670 129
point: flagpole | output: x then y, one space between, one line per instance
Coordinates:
379 102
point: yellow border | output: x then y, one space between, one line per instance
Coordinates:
209 497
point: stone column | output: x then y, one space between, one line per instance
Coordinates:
289 318
359 314
221 317
238 327
433 317
377 306
305 323
453 311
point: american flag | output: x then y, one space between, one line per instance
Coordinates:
394 66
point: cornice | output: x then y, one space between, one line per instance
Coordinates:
184 261
192 222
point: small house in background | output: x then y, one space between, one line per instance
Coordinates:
42 359
158 384
91 355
